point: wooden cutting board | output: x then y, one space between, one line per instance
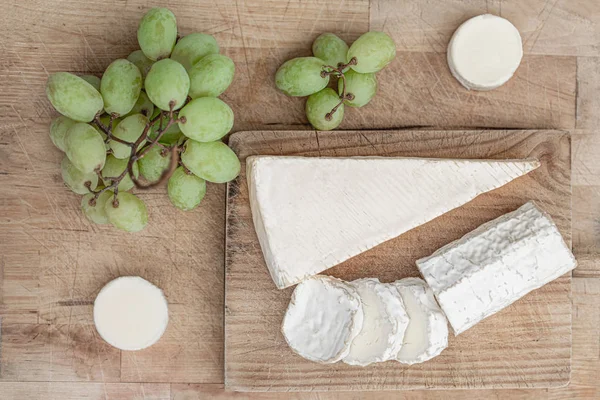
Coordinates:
526 345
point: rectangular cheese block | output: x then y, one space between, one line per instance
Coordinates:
311 214
495 265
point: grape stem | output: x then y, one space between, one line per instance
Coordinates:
339 73
175 149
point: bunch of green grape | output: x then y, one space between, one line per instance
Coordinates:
354 67
155 114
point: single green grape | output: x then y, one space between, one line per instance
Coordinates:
120 87
97 212
130 215
58 130
167 81
157 33
92 80
331 49
212 161
185 190
206 119
114 167
319 105
301 76
373 51
73 97
362 86
75 179
153 164
191 48
129 129
139 59
143 106
85 148
211 76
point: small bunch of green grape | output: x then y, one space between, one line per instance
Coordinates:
155 114
353 66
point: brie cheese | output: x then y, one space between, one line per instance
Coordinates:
427 332
485 52
313 213
384 323
322 319
495 265
130 313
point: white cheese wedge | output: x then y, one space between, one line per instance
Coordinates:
485 52
384 323
130 313
427 333
495 265
322 319
313 213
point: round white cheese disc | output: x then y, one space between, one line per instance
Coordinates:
385 320
427 332
130 313
322 319
485 52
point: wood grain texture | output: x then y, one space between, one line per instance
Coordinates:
526 345
586 169
87 391
558 27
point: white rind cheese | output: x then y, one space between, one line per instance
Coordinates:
384 323
313 213
485 52
427 333
130 313
495 265
322 319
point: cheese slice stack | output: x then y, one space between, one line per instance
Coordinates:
495 265
313 213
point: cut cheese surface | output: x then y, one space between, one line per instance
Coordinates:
384 323
485 52
322 319
427 333
495 265
313 213
130 313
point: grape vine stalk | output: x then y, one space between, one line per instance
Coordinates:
174 149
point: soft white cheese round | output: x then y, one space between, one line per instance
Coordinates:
322 319
130 313
485 52
385 321
427 332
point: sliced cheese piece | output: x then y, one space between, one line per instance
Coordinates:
313 213
384 323
495 265
130 313
322 319
485 52
427 332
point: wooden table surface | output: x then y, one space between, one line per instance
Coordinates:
53 261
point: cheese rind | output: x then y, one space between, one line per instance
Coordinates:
322 319
495 265
313 213
384 323
484 52
427 333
